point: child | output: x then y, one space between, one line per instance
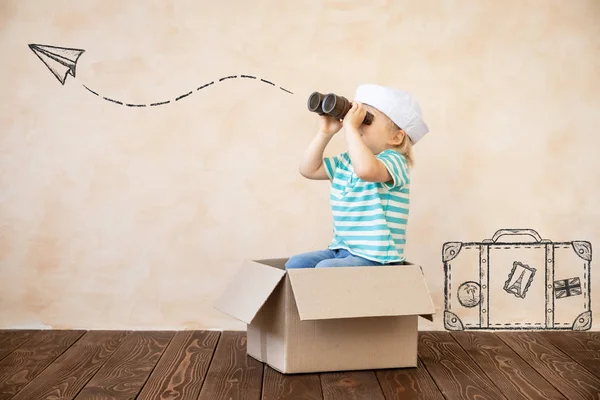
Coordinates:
370 182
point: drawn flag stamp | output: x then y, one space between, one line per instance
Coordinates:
567 288
519 279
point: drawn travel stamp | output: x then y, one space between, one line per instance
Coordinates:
519 279
567 288
469 294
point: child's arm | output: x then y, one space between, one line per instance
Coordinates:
312 166
366 165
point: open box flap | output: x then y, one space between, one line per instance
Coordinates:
249 289
353 292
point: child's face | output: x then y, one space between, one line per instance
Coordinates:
381 134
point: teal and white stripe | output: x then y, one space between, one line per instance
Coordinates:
369 218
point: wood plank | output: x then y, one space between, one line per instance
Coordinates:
570 378
278 386
354 385
582 347
25 363
577 341
454 372
408 383
181 370
126 371
64 378
11 339
232 373
515 378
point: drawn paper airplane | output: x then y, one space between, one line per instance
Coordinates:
62 61
59 60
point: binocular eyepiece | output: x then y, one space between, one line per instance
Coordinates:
333 105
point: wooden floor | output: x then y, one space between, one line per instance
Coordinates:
213 365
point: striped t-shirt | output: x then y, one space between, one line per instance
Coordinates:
369 218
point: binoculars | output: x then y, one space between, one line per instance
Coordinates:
333 105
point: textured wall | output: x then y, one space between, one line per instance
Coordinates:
113 216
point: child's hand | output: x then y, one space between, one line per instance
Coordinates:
355 116
330 125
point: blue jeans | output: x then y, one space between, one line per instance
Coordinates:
328 258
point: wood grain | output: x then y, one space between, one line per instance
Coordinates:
582 347
125 372
181 370
351 385
515 378
74 368
570 378
26 362
208 365
232 374
454 372
11 339
278 386
408 383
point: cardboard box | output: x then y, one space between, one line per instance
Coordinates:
329 319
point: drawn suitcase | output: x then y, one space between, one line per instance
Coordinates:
517 283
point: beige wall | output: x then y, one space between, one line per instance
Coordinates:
118 217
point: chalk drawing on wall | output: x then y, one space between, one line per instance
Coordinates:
515 283
469 294
517 280
62 61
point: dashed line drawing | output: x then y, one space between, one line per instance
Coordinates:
182 96
113 101
91 90
62 61
516 283
205 85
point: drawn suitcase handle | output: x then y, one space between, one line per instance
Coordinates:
516 232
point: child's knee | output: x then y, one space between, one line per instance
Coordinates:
307 260
328 263
296 261
350 261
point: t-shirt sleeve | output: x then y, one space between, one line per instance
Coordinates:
331 164
396 166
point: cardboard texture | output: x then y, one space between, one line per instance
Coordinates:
329 319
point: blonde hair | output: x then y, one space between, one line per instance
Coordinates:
406 147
